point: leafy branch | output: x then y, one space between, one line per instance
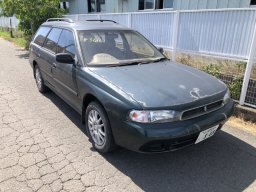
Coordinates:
31 13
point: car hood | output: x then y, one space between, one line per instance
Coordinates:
161 84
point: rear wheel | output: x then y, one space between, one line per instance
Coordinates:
39 80
98 128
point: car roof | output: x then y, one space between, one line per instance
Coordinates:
85 24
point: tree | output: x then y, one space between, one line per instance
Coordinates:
32 13
1 11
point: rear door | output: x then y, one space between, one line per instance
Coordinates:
64 75
48 53
35 49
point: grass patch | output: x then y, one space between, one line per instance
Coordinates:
20 41
243 125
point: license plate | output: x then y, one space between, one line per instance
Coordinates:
206 134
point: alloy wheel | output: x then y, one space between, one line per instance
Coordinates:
96 127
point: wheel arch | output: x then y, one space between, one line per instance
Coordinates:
87 99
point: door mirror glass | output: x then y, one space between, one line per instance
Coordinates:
65 58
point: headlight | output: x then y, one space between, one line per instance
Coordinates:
226 97
154 116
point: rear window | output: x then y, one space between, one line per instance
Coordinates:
40 35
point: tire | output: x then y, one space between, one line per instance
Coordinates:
39 81
98 128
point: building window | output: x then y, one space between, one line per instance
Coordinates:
253 2
92 6
102 6
141 4
96 6
149 4
155 4
64 5
168 4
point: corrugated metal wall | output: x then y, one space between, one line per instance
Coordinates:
209 4
227 33
112 6
158 27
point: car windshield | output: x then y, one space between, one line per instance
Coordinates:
116 47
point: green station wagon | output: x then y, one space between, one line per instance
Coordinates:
127 92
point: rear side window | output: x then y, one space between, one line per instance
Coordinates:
66 43
52 39
41 35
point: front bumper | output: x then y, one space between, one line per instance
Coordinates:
160 137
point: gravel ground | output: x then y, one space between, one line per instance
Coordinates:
43 148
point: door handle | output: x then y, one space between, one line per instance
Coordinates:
38 55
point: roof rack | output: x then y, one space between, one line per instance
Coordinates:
60 19
102 20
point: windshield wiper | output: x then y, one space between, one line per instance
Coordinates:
137 62
134 63
124 64
159 59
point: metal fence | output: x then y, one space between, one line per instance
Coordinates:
9 22
228 34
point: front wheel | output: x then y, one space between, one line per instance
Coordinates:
98 128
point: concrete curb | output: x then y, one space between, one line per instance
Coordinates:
246 113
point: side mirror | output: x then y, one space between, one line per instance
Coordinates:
160 49
65 58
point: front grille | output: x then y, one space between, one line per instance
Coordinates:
195 112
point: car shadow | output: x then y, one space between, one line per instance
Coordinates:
222 163
22 54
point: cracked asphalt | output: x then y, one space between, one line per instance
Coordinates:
43 148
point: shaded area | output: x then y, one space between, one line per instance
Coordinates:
66 109
23 54
222 163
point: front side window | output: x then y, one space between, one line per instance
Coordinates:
41 35
66 43
52 39
116 47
